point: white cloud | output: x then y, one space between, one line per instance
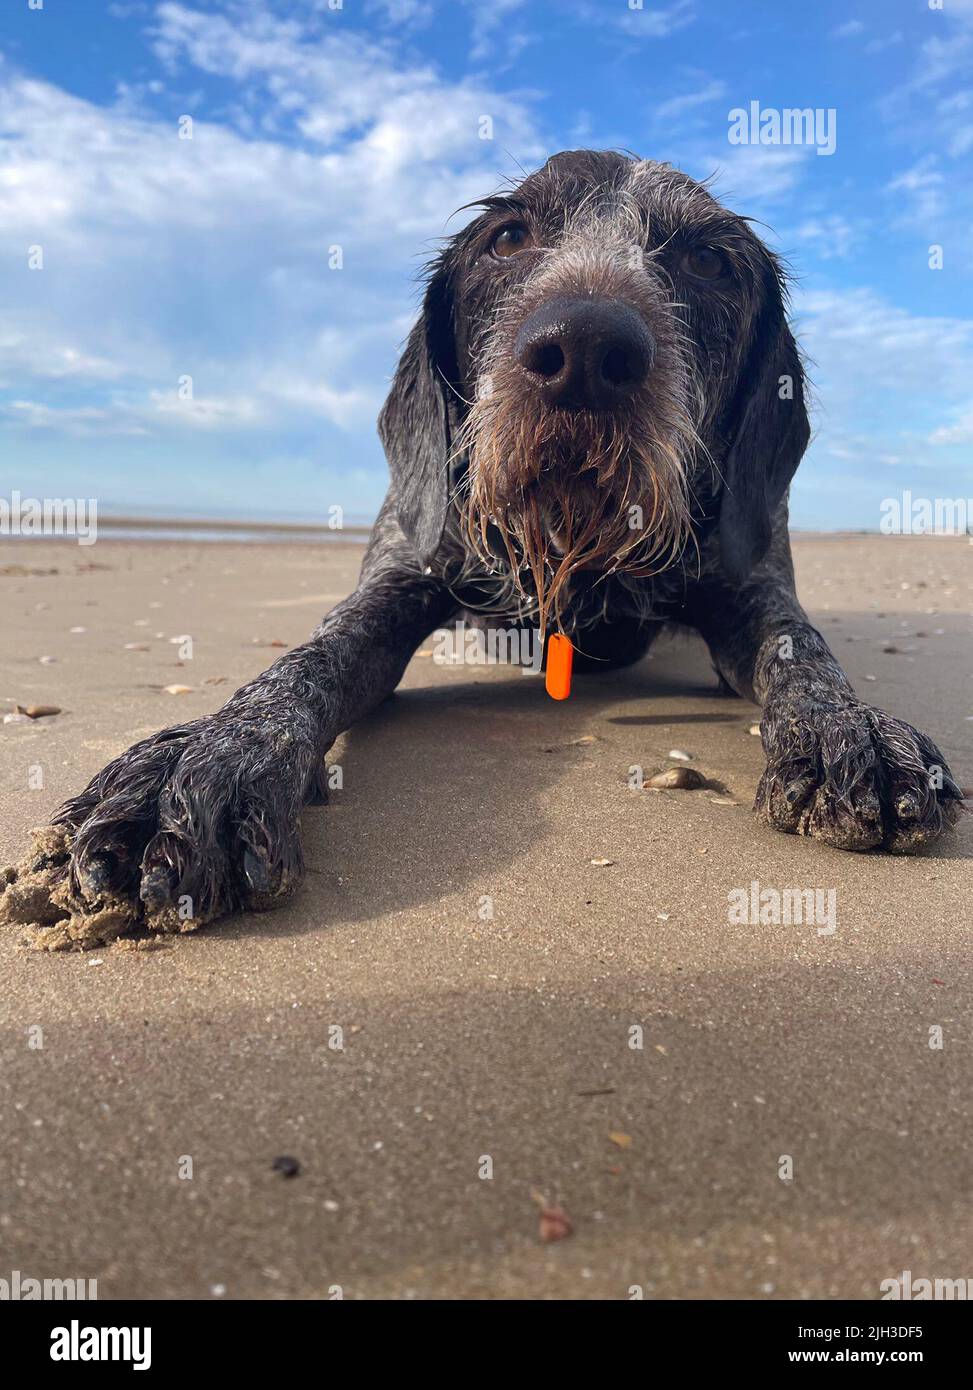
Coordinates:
959 432
961 142
656 21
831 236
848 30
402 11
342 90
30 348
751 176
492 26
923 184
934 196
206 413
865 344
888 385
888 41
209 256
72 421
677 106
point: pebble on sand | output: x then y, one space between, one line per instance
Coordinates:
555 1223
285 1165
680 778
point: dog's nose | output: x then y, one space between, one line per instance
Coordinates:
584 353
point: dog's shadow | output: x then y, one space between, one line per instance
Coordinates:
445 785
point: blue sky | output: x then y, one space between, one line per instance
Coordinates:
358 125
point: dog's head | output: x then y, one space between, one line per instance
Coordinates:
601 350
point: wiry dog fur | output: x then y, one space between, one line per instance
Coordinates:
669 507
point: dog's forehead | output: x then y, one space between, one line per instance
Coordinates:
595 179
663 185
575 173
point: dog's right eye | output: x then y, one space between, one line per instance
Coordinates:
509 240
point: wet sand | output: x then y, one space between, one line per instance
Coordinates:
465 1036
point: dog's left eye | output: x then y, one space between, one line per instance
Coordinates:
703 263
509 240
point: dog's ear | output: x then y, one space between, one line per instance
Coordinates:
414 423
768 430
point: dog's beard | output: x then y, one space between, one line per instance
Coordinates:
576 490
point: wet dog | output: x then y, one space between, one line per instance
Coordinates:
592 427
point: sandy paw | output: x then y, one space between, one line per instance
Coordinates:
853 776
194 823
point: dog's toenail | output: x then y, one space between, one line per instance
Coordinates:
154 891
256 872
96 875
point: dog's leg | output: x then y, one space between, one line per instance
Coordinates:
837 769
203 819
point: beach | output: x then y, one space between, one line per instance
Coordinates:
510 980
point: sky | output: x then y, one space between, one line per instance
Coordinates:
271 260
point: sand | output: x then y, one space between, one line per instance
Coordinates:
465 1037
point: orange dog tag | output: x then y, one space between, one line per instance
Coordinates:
560 658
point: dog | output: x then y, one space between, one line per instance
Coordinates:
592 427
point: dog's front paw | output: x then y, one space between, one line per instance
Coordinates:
192 823
853 776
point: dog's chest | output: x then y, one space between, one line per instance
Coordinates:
587 601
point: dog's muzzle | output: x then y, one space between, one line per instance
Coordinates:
584 353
